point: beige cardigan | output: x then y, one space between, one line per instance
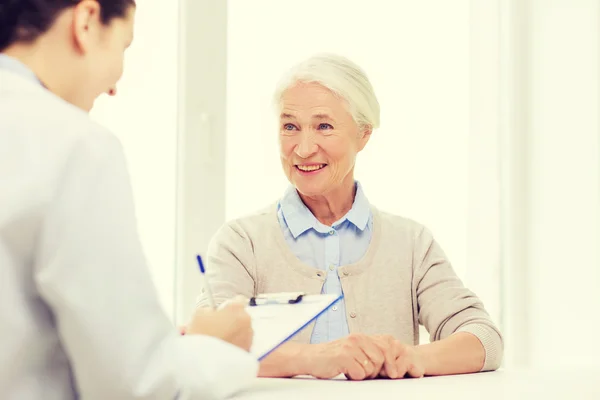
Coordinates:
403 280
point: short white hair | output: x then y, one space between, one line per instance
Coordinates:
344 78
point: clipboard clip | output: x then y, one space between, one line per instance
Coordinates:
277 298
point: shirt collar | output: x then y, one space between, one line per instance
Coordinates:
299 219
361 209
13 65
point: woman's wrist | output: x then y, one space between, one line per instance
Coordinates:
307 356
459 353
427 357
290 359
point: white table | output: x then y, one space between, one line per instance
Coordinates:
566 384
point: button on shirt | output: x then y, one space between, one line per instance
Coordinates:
327 248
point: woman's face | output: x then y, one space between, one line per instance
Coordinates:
319 139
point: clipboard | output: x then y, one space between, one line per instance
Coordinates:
278 317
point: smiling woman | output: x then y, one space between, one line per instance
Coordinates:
324 236
324 128
319 141
328 111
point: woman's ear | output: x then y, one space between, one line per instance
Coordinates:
86 23
365 135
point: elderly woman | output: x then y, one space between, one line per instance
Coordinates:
323 236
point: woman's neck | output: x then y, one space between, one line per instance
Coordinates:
333 205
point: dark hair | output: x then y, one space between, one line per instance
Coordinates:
25 20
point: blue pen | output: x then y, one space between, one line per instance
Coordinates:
211 299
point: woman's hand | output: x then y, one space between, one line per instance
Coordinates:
356 356
407 362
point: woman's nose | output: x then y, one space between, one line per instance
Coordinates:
306 147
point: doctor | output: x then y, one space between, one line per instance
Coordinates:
79 314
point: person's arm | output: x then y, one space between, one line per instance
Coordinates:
230 266
464 339
91 272
460 353
288 360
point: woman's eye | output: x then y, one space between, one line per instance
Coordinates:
289 127
324 126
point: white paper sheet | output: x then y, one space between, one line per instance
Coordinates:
273 324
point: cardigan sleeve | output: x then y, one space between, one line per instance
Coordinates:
446 306
230 265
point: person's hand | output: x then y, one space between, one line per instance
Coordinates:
230 323
357 356
406 360
237 299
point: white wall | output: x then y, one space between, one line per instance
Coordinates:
432 159
144 116
564 199
551 163
484 187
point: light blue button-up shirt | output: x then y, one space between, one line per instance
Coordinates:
327 248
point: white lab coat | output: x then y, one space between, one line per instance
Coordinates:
79 313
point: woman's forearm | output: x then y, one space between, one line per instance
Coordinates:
460 353
286 361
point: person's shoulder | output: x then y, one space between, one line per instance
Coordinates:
84 139
256 221
47 134
250 225
404 229
88 145
53 124
399 223
77 129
